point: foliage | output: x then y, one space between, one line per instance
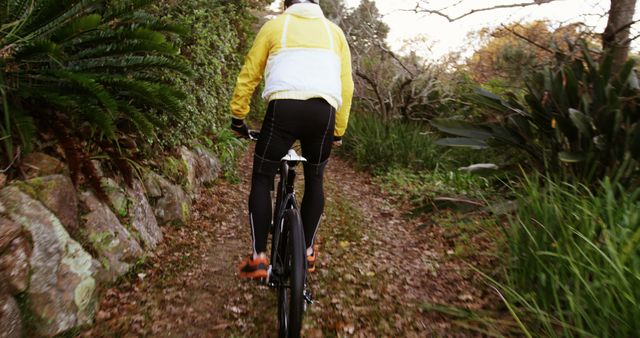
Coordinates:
580 120
573 261
219 33
228 147
85 70
423 189
380 145
513 52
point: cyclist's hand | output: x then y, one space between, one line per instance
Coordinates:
337 141
240 128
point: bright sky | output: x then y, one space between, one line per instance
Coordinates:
443 36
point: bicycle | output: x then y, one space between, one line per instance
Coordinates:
288 270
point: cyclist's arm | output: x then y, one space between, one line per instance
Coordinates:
342 115
251 73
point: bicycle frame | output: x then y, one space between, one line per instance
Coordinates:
285 199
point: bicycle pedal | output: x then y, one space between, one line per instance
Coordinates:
308 298
269 274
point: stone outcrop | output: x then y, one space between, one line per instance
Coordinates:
115 246
14 257
117 196
39 164
54 275
202 167
170 203
58 194
9 230
10 322
208 167
62 288
14 266
143 220
191 163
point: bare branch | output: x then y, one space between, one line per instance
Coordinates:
520 36
441 13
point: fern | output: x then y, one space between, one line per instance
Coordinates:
128 61
77 27
106 64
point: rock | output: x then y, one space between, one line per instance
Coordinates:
58 194
98 166
208 166
191 163
14 266
115 246
10 321
152 184
202 167
9 230
62 289
142 218
39 164
117 196
3 180
171 205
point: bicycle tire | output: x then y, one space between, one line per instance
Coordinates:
291 298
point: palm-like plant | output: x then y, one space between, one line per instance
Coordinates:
581 119
96 66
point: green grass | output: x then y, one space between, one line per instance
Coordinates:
377 145
573 263
422 188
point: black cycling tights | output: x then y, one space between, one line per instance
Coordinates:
310 121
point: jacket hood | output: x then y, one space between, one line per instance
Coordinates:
305 10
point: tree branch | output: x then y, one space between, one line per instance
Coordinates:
441 13
520 36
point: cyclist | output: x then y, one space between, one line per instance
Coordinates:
306 62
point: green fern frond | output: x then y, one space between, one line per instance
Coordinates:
43 25
100 118
144 125
130 62
38 48
149 35
90 86
78 26
161 96
17 10
126 47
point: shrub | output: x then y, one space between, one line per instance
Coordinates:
580 120
423 189
219 32
89 71
378 145
573 263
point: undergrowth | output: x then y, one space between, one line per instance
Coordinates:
573 261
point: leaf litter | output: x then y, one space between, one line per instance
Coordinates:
379 272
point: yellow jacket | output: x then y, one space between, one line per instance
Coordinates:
302 55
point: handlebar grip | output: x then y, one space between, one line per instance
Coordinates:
254 135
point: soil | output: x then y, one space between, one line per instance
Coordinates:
379 272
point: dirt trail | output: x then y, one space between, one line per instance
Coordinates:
378 271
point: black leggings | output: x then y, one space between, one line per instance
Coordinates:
310 121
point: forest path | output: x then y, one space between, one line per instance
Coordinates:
378 271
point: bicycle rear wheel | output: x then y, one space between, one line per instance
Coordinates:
291 298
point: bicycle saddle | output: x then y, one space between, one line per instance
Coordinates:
292 156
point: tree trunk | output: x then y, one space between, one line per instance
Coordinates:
615 38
